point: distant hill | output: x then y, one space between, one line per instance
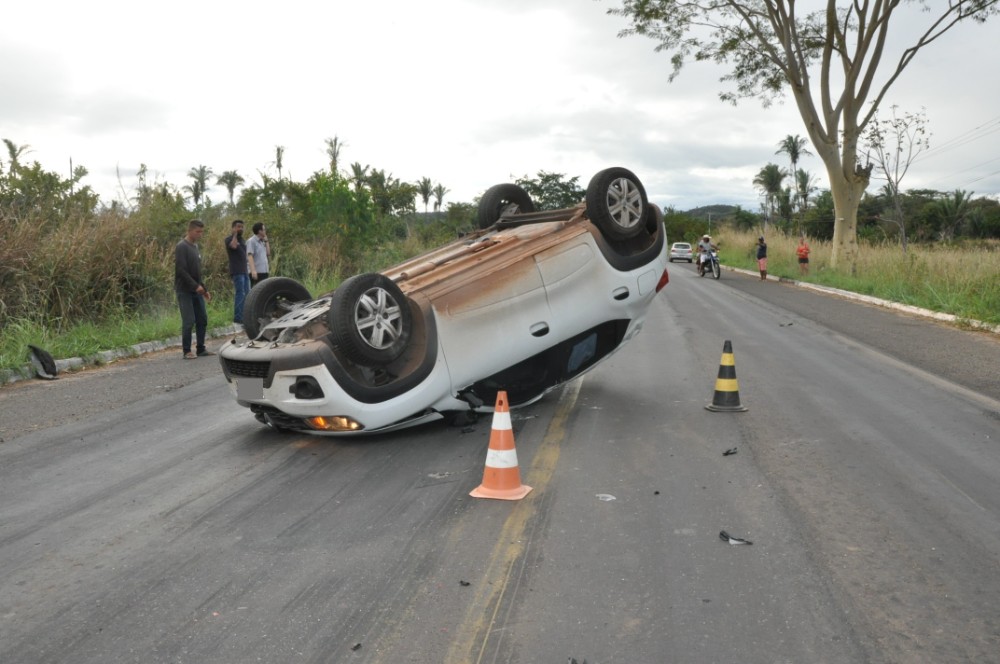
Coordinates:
716 211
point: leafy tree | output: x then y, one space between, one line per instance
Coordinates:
390 195
230 180
818 221
828 59
744 219
786 206
769 181
985 219
550 191
30 189
331 209
425 189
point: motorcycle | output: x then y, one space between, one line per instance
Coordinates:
710 263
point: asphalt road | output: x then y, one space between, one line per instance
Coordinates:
144 517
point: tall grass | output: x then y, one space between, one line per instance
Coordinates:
959 279
84 285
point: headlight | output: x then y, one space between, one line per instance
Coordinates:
334 423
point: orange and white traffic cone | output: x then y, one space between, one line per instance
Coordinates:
501 478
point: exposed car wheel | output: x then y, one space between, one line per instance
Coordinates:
269 300
617 204
370 319
502 199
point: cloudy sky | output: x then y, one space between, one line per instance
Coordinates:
468 93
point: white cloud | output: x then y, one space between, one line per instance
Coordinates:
466 92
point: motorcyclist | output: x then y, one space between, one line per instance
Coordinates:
704 246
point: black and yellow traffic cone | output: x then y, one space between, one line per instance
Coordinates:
727 391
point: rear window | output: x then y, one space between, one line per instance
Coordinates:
681 245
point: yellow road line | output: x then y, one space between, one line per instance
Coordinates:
481 615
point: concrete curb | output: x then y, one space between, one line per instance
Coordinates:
27 371
888 304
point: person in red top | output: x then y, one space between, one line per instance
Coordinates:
803 253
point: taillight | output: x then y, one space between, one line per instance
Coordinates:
664 280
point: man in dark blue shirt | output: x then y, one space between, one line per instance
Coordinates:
236 248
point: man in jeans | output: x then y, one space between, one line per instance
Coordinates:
191 292
236 248
258 252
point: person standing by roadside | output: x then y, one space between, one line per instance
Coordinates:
803 253
762 257
236 248
258 253
191 292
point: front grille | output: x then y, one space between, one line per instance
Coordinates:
248 369
276 418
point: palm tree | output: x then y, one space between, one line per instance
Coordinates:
359 176
230 180
15 151
425 189
279 158
794 147
333 147
953 209
805 185
769 180
439 192
199 175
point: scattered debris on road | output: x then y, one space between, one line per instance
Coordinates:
726 537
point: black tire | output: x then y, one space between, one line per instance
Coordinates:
502 199
617 203
716 270
269 300
370 319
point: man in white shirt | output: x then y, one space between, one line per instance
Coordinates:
258 252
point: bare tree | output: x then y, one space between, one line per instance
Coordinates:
893 145
830 60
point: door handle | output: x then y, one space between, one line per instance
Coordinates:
539 329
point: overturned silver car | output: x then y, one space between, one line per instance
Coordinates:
524 304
